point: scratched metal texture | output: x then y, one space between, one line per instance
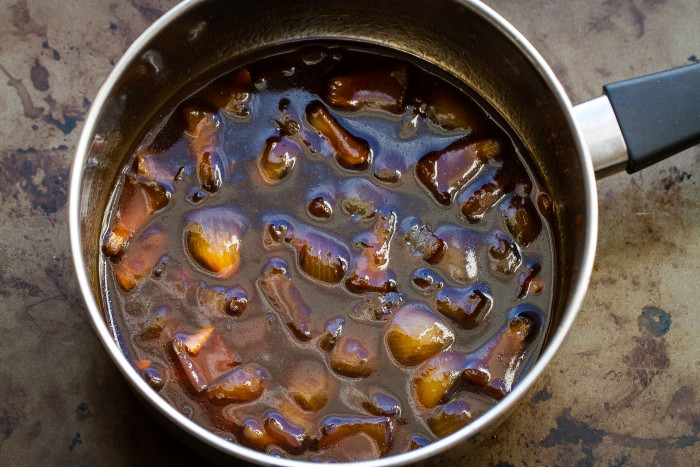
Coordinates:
624 390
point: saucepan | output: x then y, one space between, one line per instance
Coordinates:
634 124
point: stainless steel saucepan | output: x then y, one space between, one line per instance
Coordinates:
570 145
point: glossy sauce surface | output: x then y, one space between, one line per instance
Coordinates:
329 254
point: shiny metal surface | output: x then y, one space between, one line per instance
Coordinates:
487 58
603 136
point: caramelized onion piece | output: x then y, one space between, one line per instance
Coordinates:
213 239
290 125
202 127
382 404
482 194
309 384
141 257
242 384
460 258
521 218
452 416
444 172
493 367
490 187
371 272
207 352
438 378
153 378
139 199
277 287
320 208
424 242
189 366
362 198
530 281
331 333
193 342
415 334
416 441
141 365
376 307
351 152
277 158
318 261
164 166
161 320
320 256
449 109
370 90
254 435
466 306
427 281
334 429
389 167
503 253
220 300
354 356
287 435
233 94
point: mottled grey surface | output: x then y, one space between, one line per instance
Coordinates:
625 388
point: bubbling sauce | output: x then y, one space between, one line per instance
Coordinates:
331 253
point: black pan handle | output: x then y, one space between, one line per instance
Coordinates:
659 114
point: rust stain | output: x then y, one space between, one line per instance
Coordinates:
8 422
41 176
638 18
542 396
649 356
11 285
70 116
614 9
30 111
570 430
684 406
149 13
23 22
675 177
83 412
39 76
654 321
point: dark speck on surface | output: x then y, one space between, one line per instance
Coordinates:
112 26
75 441
542 396
693 58
674 177
7 424
619 462
149 13
570 430
83 412
658 319
66 126
39 76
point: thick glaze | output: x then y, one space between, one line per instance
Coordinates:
351 260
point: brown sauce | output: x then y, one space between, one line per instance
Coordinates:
332 253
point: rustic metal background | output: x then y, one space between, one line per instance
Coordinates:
625 389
